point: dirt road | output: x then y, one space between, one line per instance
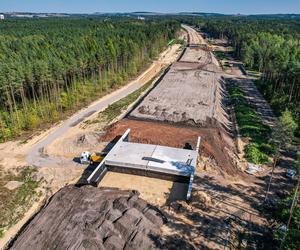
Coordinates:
36 157
219 203
194 37
56 171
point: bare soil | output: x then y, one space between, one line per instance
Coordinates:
194 37
192 92
155 191
224 203
190 96
200 55
214 142
223 214
58 168
93 218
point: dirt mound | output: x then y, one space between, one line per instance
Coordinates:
74 143
214 142
200 56
93 218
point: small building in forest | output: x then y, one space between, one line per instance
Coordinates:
1 17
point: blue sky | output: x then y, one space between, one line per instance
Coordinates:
90 6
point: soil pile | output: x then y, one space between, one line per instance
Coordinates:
74 143
199 55
93 218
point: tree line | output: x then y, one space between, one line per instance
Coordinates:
270 46
49 67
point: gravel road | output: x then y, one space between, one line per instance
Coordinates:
36 157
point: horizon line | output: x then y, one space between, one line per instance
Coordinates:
154 12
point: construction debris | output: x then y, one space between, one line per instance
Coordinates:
253 169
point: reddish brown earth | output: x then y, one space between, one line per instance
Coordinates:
214 142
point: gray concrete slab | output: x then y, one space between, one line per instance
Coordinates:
175 161
155 158
148 158
132 155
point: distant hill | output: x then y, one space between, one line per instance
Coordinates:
276 16
147 13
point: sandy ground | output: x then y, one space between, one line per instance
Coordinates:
191 92
202 56
219 210
220 207
157 192
186 96
194 37
223 209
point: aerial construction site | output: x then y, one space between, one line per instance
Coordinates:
169 177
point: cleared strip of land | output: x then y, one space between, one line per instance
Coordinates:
191 92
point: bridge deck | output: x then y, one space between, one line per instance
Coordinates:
148 158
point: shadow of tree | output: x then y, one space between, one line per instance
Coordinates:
232 217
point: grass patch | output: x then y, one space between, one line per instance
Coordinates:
252 127
14 203
221 55
116 109
177 41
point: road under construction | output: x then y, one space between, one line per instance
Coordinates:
181 116
190 94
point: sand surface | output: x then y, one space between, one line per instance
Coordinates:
191 92
157 192
185 96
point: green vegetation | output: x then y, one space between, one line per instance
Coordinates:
51 67
177 41
116 109
252 127
222 55
288 124
271 52
269 46
14 203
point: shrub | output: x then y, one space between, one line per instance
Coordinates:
32 121
288 123
254 155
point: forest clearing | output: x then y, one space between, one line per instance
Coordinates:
168 94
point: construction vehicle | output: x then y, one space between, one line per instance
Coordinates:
91 158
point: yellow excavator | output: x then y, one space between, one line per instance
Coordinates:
91 158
